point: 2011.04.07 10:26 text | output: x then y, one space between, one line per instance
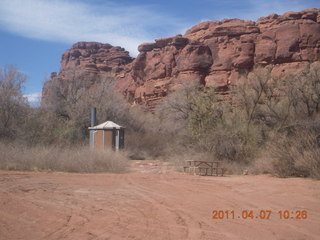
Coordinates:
260 214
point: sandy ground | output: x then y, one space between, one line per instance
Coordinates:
153 202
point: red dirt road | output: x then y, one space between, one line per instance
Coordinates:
153 203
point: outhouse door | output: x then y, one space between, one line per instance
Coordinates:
117 139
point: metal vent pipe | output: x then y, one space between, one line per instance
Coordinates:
93 123
93 117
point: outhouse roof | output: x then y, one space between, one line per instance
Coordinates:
106 125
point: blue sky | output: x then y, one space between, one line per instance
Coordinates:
35 33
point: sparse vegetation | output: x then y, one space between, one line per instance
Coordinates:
265 124
53 158
254 122
13 106
296 155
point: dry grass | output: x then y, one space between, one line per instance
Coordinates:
262 165
44 158
147 145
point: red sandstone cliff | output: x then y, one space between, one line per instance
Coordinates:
85 64
214 53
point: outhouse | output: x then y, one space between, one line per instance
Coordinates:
107 135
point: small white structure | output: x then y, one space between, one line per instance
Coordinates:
107 135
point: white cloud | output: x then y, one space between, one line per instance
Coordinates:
111 22
71 21
33 98
262 8
253 9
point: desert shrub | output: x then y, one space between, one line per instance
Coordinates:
271 104
303 90
143 145
51 158
239 127
278 102
263 100
146 136
174 113
209 124
296 154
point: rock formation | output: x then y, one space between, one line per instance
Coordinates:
84 65
213 53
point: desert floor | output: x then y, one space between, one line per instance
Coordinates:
154 202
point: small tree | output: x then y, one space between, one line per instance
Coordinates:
71 98
304 91
13 104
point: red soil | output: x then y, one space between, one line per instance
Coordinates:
153 203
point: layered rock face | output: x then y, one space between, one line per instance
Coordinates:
213 53
96 57
84 65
